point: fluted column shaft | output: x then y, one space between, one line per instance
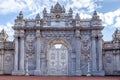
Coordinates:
94 66
78 52
38 53
100 52
2 61
38 49
16 55
22 54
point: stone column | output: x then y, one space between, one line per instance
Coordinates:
38 49
14 72
114 61
117 61
78 53
2 61
94 66
22 53
99 51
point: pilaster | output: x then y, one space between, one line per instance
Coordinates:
22 67
78 53
2 61
94 65
14 72
37 70
100 71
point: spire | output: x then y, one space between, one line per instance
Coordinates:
77 17
116 34
95 16
38 17
20 15
57 5
4 34
57 8
3 31
63 9
44 11
95 13
70 10
51 10
117 31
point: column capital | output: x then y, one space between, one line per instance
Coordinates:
100 36
16 36
22 36
93 36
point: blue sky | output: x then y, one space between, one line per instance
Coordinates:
108 10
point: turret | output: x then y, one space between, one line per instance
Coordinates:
95 16
77 17
63 9
77 20
3 35
20 20
70 11
96 21
20 15
52 9
37 20
37 17
116 35
44 12
57 9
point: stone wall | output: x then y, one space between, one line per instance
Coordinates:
111 58
6 57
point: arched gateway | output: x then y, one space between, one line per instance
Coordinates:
57 58
58 44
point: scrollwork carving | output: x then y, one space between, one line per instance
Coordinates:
30 43
85 43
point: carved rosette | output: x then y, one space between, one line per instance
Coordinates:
8 58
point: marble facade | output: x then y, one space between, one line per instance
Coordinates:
60 45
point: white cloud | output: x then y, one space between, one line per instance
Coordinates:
36 6
90 5
8 29
85 16
8 6
111 19
117 22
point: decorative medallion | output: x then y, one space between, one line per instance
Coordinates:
57 16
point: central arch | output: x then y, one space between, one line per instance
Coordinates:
57 58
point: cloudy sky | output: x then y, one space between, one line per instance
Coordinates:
108 10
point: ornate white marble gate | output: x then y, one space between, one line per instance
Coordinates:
57 60
79 38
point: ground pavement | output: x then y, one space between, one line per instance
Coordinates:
58 78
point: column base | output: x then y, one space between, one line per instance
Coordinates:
88 74
37 72
78 73
18 72
98 73
1 72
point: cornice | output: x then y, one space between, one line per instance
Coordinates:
58 28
